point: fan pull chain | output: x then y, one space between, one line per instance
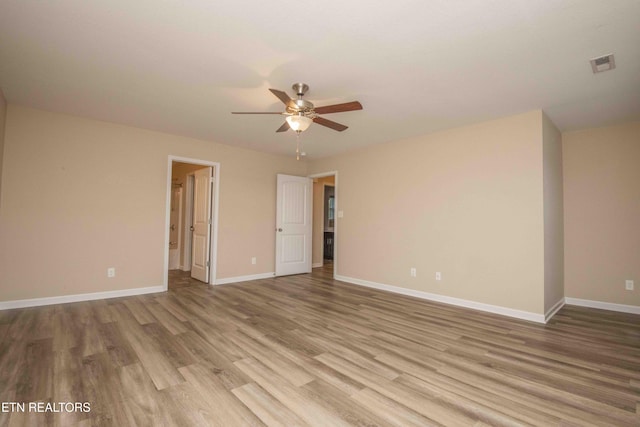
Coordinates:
297 145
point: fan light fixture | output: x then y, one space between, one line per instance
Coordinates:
300 113
299 122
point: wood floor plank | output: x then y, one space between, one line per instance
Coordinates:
296 401
512 388
368 363
391 411
217 338
224 409
213 359
166 318
162 371
11 365
316 369
282 366
472 408
392 390
35 379
103 388
66 333
266 407
341 403
460 391
309 350
173 306
139 311
187 406
117 345
68 383
167 345
141 398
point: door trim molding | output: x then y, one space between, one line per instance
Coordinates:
178 248
188 219
214 220
335 208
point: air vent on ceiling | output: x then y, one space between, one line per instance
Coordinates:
603 63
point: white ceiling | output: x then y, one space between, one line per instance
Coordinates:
417 66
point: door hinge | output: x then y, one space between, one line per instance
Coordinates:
208 262
209 221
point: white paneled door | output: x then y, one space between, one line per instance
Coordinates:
293 225
201 225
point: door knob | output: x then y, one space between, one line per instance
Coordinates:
279 230
191 228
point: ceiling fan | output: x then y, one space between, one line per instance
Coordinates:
300 113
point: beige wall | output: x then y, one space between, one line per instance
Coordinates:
602 213
318 217
467 202
81 195
3 115
481 204
553 214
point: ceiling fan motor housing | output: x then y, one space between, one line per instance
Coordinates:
303 105
300 88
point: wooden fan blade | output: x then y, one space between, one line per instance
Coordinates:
330 124
282 96
284 127
254 112
339 108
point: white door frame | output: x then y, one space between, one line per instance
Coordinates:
179 229
335 223
188 219
214 222
335 214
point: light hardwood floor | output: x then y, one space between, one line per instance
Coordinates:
307 350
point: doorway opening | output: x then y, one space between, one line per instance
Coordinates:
191 222
325 224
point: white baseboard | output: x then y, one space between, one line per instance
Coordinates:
553 310
623 308
316 265
35 302
518 314
237 279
